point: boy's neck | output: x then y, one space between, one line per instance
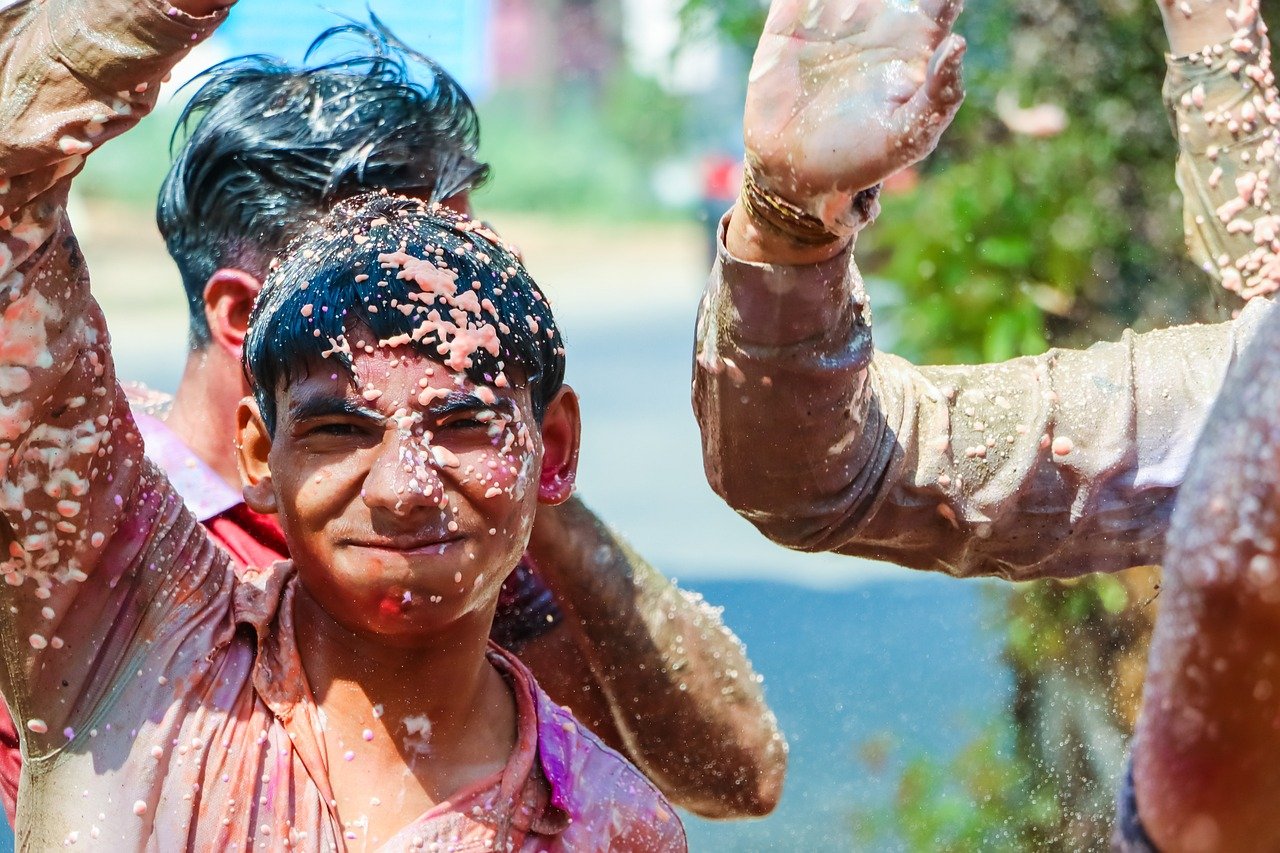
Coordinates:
361 683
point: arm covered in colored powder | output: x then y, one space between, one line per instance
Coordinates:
85 519
657 673
1055 465
1206 750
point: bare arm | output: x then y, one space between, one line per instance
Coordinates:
1057 465
1207 755
1222 99
1206 748
659 674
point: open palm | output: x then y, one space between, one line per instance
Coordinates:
845 93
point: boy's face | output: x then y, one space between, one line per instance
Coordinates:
406 491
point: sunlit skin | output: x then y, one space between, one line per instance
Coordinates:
404 510
1205 751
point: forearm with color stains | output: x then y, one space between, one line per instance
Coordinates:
74 75
680 693
1223 104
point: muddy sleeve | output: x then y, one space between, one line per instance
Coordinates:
84 517
1055 465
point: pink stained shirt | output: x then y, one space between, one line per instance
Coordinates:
159 696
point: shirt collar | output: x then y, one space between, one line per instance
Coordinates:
263 601
202 490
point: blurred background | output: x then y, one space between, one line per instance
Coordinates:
923 713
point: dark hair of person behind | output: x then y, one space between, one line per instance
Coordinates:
334 284
269 148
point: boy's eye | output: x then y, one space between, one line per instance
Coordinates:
463 422
334 429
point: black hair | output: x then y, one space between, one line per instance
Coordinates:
412 274
269 148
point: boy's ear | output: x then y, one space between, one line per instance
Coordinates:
228 302
253 445
561 431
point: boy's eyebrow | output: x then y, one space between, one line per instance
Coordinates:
465 401
320 406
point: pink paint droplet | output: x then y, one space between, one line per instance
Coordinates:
1063 445
367 734
140 808
37 725
349 755
307 309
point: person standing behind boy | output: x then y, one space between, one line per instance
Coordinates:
409 416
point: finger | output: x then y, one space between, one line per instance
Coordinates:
923 118
944 82
944 12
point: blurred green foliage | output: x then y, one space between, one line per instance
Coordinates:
558 159
983 799
131 167
579 149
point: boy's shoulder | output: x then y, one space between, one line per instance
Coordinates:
610 803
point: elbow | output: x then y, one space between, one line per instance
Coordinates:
780 515
760 795
1205 777
752 790
1185 813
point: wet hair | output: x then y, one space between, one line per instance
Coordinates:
337 284
269 148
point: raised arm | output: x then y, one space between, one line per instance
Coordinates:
78 504
653 670
1055 465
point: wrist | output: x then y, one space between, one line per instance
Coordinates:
768 228
1192 25
749 239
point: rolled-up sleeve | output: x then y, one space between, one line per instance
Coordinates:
1054 465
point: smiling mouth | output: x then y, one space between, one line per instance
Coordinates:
416 545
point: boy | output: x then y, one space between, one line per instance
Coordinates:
408 419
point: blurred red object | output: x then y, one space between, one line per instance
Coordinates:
721 177
902 182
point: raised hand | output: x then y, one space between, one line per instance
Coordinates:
844 93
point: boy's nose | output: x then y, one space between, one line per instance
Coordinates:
404 476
